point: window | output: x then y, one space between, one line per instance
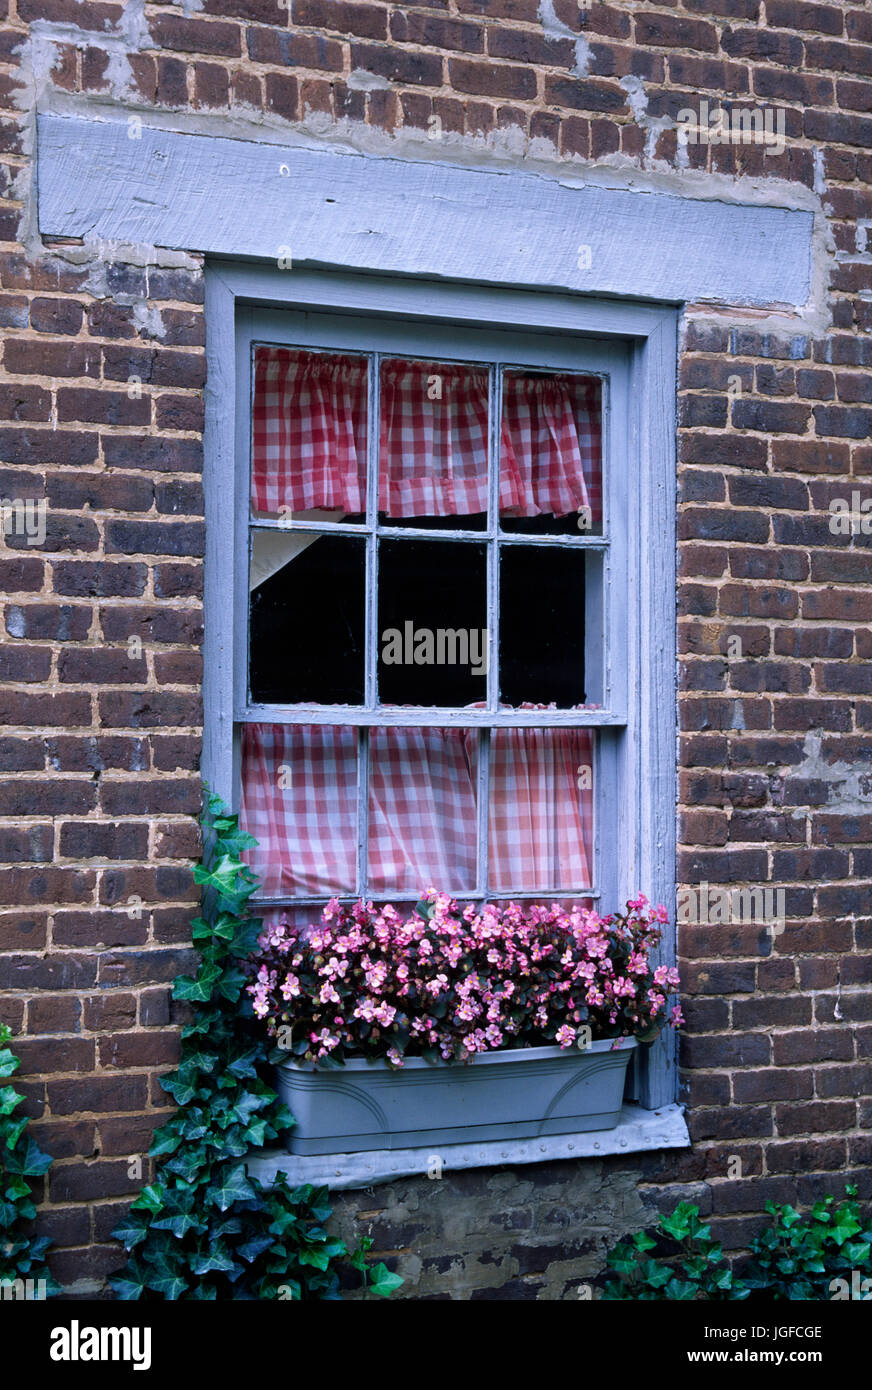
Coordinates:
440 591
424 699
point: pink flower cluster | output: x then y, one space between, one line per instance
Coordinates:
450 982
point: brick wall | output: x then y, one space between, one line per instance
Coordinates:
100 386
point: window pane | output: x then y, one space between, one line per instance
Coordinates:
299 800
433 445
307 618
551 454
548 653
432 623
422 810
540 821
309 435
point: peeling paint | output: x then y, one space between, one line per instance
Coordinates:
554 29
849 788
362 81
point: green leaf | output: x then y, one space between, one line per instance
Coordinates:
179 1224
217 1260
9 1098
35 1161
131 1231
382 1283
231 1186
199 990
149 1199
127 1286
172 1286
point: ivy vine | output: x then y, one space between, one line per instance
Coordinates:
21 1253
206 1229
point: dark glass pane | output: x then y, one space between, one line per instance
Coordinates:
433 447
542 606
307 619
432 639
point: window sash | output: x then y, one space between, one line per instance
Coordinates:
481 891
436 342
610 363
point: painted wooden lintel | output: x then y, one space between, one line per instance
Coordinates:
357 211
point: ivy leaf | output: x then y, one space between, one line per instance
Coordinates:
9 1098
164 1143
179 1224
149 1199
382 1282
9 1063
230 984
199 990
222 878
126 1285
130 1232
217 1260
232 1186
187 1163
254 1247
244 1065
35 1162
172 1286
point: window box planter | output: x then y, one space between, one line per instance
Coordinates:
518 1094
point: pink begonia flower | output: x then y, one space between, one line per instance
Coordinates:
676 1017
565 1035
516 972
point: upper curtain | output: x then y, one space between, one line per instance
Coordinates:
310 425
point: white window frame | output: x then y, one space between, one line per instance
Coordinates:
634 346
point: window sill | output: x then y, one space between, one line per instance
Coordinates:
637 1130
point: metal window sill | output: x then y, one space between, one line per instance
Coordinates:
637 1130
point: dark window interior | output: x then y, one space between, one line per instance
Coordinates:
432 585
307 627
542 625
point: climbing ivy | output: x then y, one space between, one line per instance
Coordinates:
206 1228
21 1253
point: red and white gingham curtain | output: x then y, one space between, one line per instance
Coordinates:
299 799
540 822
309 432
309 445
551 447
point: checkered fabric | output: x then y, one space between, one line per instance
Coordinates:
551 449
433 452
422 810
540 825
299 801
309 432
309 447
